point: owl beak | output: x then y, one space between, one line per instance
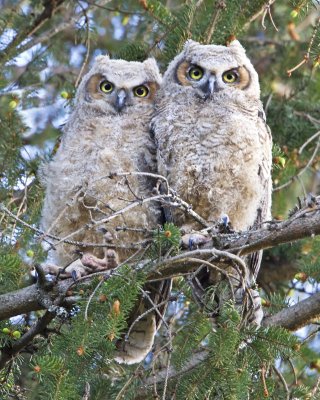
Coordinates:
211 84
209 87
121 100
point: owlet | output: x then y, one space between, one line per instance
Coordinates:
107 137
213 144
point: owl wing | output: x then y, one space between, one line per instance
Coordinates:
264 209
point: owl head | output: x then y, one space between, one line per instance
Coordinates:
207 70
115 86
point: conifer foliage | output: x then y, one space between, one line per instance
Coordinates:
57 338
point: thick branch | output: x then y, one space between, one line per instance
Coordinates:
296 316
28 299
288 231
303 223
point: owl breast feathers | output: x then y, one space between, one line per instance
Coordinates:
107 133
213 144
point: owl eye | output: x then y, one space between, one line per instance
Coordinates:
230 76
106 87
195 73
141 91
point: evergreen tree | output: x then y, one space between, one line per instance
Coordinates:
57 339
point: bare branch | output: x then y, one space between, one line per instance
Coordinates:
296 316
194 361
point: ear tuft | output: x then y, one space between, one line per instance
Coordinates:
102 57
189 44
150 63
236 45
152 69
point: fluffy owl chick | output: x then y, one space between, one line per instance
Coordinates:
214 146
107 133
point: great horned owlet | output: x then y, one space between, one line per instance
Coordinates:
214 146
107 133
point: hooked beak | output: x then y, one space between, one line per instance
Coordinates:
211 84
209 87
121 100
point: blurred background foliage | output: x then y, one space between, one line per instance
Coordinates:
45 48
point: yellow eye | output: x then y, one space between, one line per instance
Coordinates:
106 87
230 76
141 91
195 73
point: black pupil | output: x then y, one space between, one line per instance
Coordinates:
107 86
140 91
230 77
196 72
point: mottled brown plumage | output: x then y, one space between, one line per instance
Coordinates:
214 146
107 133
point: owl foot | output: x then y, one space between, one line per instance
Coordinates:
87 265
224 224
194 240
256 314
75 270
110 261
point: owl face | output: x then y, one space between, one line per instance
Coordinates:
209 69
118 86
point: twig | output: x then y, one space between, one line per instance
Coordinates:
113 216
316 387
86 58
154 307
308 141
310 336
115 9
148 174
263 377
220 7
267 11
187 208
168 365
306 57
192 363
199 252
127 384
90 299
283 381
222 272
310 161
43 234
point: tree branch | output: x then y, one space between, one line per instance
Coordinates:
304 222
29 299
296 316
50 7
192 363
9 351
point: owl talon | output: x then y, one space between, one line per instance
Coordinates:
112 259
224 224
194 240
75 275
